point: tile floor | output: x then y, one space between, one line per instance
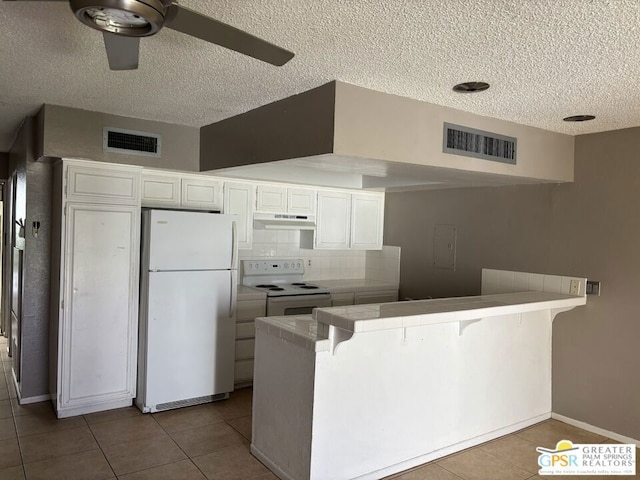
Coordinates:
209 442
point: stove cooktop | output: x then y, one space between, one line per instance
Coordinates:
297 288
279 278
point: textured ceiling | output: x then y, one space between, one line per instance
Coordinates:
545 59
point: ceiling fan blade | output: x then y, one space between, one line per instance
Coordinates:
122 52
205 28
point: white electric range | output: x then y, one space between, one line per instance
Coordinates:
282 281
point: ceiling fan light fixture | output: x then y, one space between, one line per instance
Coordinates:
471 87
131 18
579 118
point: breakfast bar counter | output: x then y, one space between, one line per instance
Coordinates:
366 391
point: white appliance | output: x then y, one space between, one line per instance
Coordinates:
187 302
282 281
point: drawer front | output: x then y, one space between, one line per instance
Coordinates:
102 185
246 330
245 348
250 310
243 370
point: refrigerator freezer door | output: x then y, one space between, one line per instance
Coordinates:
190 336
179 240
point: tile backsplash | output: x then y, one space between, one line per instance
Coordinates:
382 265
505 281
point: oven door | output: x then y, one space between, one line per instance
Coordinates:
296 304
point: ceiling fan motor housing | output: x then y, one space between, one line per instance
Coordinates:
132 18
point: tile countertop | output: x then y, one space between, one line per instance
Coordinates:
248 293
367 318
299 329
354 285
313 332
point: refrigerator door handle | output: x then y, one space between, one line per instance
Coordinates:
234 244
233 294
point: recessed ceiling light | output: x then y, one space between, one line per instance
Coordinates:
579 118
470 87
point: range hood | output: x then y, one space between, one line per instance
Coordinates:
282 221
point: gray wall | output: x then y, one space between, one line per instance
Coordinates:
74 133
589 228
33 199
499 227
596 233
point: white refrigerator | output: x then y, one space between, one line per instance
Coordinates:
187 309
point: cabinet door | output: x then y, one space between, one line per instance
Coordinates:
98 342
272 198
367 219
112 185
301 201
201 193
332 224
239 200
160 190
376 297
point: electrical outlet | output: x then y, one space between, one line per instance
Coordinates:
574 287
309 262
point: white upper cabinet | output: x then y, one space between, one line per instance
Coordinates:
271 198
91 182
301 201
239 199
333 221
349 220
367 220
160 189
281 199
200 192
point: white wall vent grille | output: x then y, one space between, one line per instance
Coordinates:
131 142
479 144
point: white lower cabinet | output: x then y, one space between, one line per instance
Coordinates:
98 318
246 313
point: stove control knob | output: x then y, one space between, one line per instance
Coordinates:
286 265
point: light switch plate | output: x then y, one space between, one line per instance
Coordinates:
444 246
593 287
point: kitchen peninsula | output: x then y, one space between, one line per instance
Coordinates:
365 391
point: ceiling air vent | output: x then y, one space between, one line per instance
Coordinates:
130 142
476 143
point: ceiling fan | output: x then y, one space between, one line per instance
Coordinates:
123 22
